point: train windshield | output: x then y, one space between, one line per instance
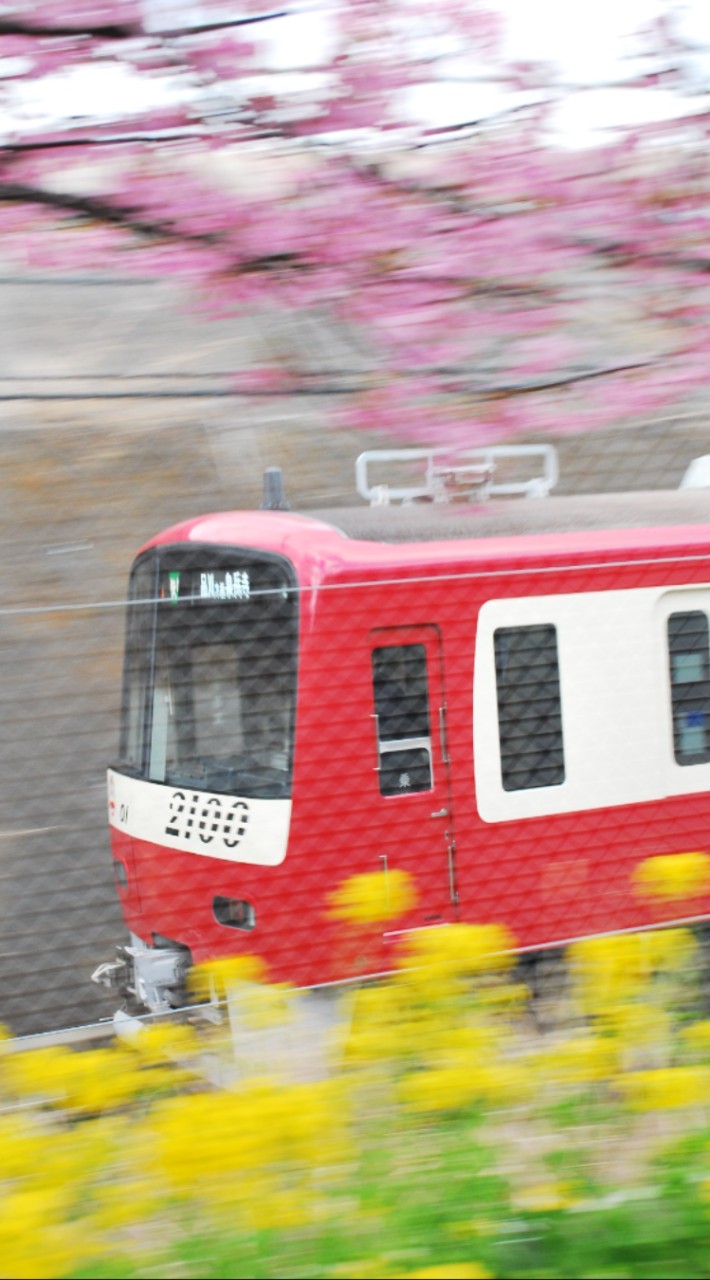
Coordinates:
210 675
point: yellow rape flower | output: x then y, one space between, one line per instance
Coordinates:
37 1073
666 1088
669 949
74 1156
385 1023
504 997
91 1080
374 1044
440 1089
671 877
447 1088
124 1204
432 987
215 977
373 898
492 1078
475 1042
281 1210
579 1060
697 1036
461 949
381 1003
614 970
640 1025
207 1136
544 1197
35 1239
55 1252
267 1200
196 1138
21 1148
506 1082
163 1043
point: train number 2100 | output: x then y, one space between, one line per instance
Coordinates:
211 818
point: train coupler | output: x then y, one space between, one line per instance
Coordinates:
113 974
152 976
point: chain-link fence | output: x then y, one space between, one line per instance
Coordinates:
86 481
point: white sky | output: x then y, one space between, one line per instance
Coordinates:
589 44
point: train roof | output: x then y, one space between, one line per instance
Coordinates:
514 518
343 543
432 506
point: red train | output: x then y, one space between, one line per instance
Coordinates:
509 700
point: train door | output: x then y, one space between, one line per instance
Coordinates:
411 791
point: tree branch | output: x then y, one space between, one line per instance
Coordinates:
128 30
102 31
100 210
130 219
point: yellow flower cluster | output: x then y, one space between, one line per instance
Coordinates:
460 949
215 1139
108 1153
696 1037
91 1082
44 1170
247 1155
450 1088
373 898
666 1089
214 978
68 1136
37 1238
613 971
417 1014
542 1197
672 877
579 1060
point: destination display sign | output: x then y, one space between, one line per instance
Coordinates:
202 585
224 584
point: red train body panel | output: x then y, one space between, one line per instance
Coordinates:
614 694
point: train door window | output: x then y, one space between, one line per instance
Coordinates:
529 707
401 693
689 661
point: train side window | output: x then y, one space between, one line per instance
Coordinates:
529 707
401 691
689 663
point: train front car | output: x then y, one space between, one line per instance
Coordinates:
200 799
504 708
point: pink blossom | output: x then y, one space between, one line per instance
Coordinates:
468 273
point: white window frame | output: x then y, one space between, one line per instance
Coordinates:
616 701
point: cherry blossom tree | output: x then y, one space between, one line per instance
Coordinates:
490 281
